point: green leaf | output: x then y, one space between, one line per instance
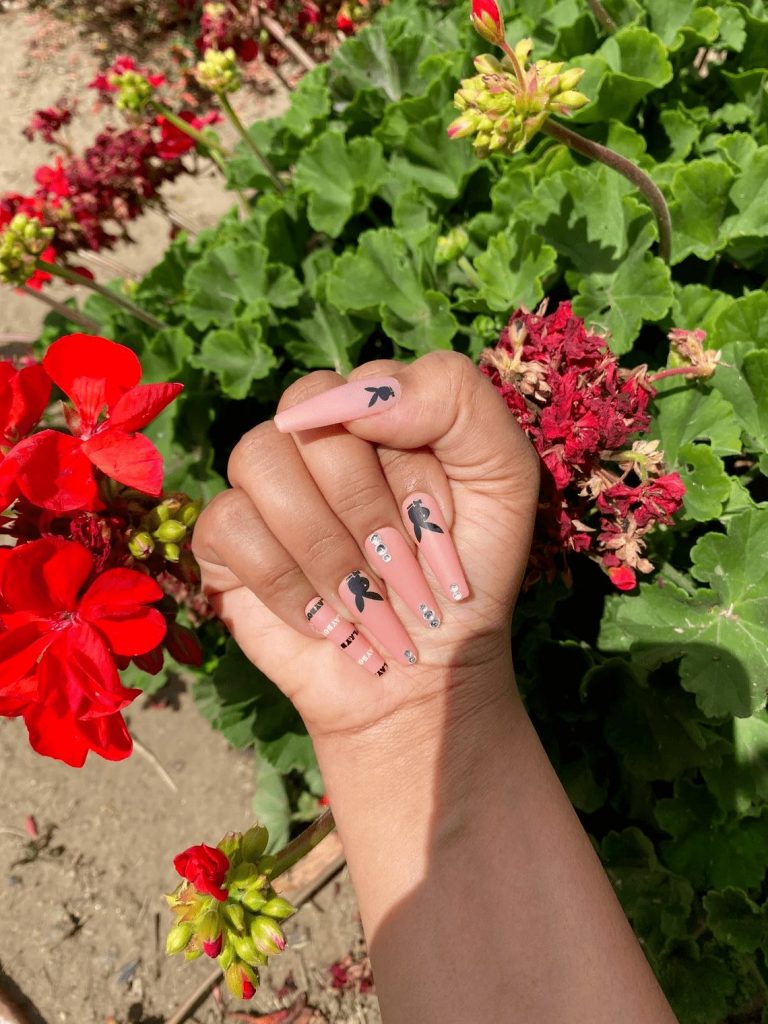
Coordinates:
327 339
512 270
310 104
719 632
656 901
165 355
290 752
385 276
688 412
743 320
750 196
640 289
700 199
237 355
703 989
707 485
270 803
695 305
229 277
340 178
711 852
631 63
735 919
743 379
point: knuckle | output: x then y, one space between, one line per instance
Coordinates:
454 364
325 547
222 515
280 580
256 450
360 494
306 387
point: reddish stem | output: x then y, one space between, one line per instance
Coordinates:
675 371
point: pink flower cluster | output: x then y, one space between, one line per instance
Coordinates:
603 489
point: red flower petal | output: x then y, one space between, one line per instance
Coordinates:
45 576
115 604
53 472
55 732
20 650
140 405
92 371
23 398
131 459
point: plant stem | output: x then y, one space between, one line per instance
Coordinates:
280 36
114 297
675 371
463 264
631 172
73 315
213 149
241 129
515 64
303 843
602 15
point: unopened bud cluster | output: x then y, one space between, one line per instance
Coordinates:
218 71
21 243
134 91
507 102
451 246
242 930
165 528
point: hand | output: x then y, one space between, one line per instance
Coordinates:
295 524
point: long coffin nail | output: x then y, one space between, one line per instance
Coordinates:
353 401
377 615
326 622
430 530
389 551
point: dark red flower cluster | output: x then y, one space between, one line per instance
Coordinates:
76 604
229 24
48 122
602 491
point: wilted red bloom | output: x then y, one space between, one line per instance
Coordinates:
24 395
226 26
174 142
55 470
205 867
48 121
59 632
623 578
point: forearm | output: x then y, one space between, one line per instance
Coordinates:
480 894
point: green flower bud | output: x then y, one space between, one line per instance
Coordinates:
218 71
246 949
254 899
278 908
192 953
267 935
21 242
134 91
209 926
141 545
242 981
266 864
449 247
227 956
178 938
171 530
235 915
230 846
189 513
255 842
242 876
171 552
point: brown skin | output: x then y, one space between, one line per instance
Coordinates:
480 894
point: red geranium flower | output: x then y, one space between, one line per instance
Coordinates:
59 632
55 470
205 867
24 395
174 143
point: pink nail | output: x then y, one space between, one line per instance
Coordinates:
325 622
391 554
378 616
353 401
425 521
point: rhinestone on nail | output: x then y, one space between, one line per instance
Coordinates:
434 623
456 593
376 538
410 657
381 549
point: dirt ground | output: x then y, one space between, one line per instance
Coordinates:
83 922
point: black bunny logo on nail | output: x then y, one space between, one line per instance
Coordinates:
358 585
384 393
419 515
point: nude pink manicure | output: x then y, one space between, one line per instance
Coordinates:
378 616
391 554
425 521
352 401
326 622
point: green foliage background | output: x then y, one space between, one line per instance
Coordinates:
651 705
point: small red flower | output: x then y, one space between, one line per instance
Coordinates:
60 631
487 21
623 578
205 867
55 470
174 142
